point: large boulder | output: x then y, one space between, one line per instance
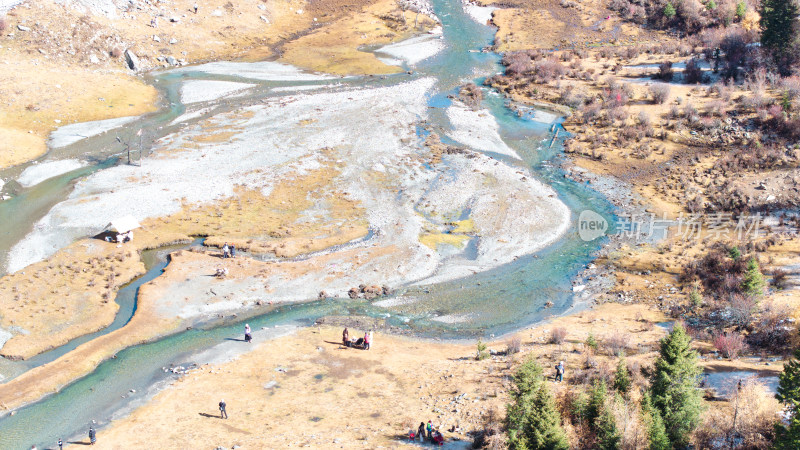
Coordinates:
132 60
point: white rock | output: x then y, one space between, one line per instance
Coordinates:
156 38
23 28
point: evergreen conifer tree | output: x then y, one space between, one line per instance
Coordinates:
532 418
622 379
779 31
656 433
674 386
788 437
753 283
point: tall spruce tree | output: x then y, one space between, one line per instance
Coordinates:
532 419
656 433
779 31
753 282
674 386
788 436
622 379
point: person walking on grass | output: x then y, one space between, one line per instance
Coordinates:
222 413
560 371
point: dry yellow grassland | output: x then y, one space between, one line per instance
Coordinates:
66 296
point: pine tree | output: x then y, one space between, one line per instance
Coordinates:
779 30
532 418
741 9
753 283
788 437
656 433
608 437
674 386
622 379
669 11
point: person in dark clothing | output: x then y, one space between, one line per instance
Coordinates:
60 444
92 436
222 413
421 431
560 371
233 251
346 337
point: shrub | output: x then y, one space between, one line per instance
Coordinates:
659 92
741 9
693 73
665 71
517 63
3 24
548 70
591 342
558 335
773 331
491 436
481 350
779 278
730 345
514 345
756 412
617 343
741 309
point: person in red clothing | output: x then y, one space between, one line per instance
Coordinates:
366 340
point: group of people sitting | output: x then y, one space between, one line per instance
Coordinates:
362 343
228 251
426 431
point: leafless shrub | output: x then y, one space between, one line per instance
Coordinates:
756 411
490 436
779 278
730 345
548 70
665 72
659 92
471 95
558 335
693 73
741 309
514 345
774 331
617 343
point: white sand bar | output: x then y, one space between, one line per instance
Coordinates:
264 71
415 49
477 130
37 173
69 134
206 90
481 14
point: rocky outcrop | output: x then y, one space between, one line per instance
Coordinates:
368 292
132 60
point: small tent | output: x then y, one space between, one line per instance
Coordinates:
123 224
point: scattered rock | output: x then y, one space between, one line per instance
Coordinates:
132 60
94 59
322 294
172 61
156 38
173 41
23 28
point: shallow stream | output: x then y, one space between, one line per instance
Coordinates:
495 302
